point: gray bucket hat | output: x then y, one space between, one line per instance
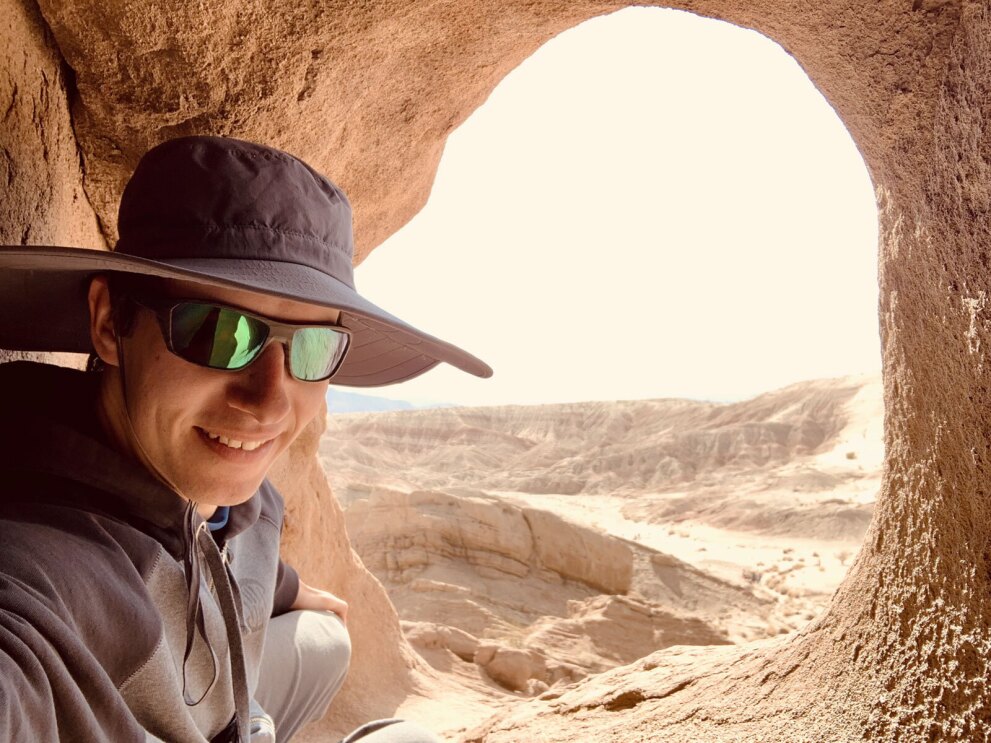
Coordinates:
231 214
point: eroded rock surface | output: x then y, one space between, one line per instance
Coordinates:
531 597
315 538
40 171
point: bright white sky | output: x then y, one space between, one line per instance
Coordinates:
653 205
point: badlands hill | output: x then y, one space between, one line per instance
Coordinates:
606 447
529 546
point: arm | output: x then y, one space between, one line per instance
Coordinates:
51 686
292 594
318 599
286 589
26 696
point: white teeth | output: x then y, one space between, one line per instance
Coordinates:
233 443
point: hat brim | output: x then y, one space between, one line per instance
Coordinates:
43 307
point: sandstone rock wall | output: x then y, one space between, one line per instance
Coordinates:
315 543
363 91
403 534
368 93
40 169
531 597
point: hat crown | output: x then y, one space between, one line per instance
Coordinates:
215 197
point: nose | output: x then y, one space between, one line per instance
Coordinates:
262 389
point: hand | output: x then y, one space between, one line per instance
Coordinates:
317 599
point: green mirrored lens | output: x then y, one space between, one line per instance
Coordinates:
217 337
316 352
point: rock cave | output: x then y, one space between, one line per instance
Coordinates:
373 91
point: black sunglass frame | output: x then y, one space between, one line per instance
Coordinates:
277 331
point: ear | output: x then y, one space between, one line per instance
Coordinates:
101 321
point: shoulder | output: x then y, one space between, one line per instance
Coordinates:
77 579
264 508
273 507
48 537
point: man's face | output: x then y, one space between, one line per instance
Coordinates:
182 413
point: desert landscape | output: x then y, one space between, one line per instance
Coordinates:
528 547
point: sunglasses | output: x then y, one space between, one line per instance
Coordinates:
221 337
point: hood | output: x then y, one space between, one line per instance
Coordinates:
53 432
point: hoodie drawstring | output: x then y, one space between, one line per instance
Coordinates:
230 607
194 612
201 543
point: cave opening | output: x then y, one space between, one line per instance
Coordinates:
661 209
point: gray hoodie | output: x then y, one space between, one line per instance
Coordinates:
113 624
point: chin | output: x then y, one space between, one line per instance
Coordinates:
233 500
225 496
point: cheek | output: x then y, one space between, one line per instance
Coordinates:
149 367
309 403
174 392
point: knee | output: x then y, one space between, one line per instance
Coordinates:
339 645
328 648
306 659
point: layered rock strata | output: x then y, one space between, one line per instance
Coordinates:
531 597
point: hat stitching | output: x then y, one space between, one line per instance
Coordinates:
386 334
382 356
404 362
264 155
217 227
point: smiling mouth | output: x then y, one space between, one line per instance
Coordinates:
234 443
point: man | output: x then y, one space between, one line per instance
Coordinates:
141 592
